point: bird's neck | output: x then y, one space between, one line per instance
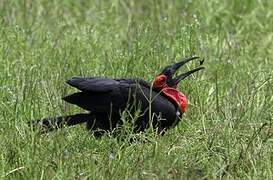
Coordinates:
177 97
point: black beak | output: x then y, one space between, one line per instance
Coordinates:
186 74
176 66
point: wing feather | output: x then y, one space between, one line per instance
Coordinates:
95 84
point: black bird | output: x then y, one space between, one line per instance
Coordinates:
159 104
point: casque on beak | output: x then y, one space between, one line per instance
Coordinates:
170 71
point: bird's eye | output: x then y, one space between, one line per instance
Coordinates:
167 72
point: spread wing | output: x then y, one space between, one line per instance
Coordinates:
102 94
99 84
107 96
95 84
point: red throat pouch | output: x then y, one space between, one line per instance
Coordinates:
178 97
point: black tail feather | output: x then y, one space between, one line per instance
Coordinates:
50 124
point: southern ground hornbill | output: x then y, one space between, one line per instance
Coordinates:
158 104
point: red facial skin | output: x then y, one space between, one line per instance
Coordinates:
171 92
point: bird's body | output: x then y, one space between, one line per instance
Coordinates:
106 99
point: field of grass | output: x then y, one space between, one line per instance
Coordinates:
227 131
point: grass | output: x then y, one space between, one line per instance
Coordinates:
227 131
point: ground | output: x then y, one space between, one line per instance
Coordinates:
227 131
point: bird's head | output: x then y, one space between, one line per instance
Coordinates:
166 79
167 83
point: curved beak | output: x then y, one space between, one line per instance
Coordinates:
174 81
176 66
186 74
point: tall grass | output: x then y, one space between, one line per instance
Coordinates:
227 131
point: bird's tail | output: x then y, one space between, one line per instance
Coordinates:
50 124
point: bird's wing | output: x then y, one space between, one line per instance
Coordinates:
118 98
135 81
95 84
100 94
113 96
99 84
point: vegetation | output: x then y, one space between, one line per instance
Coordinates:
227 131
